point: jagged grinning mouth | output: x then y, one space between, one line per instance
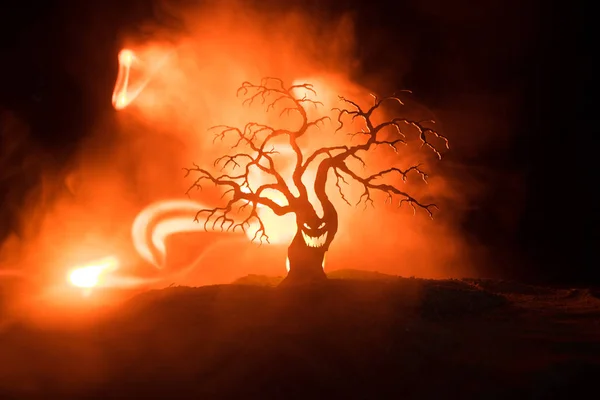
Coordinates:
314 241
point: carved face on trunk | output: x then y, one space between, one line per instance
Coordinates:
306 254
317 233
314 234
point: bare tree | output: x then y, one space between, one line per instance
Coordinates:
254 141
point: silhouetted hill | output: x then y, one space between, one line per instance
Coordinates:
359 336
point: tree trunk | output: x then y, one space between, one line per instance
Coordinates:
314 235
305 263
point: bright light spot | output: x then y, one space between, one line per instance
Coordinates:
280 229
122 94
91 275
86 277
121 101
132 78
126 57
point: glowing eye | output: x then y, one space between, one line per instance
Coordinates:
322 225
306 226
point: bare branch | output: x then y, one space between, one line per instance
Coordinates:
340 178
256 137
371 133
318 121
254 149
389 190
241 190
221 217
272 92
403 173
250 137
421 129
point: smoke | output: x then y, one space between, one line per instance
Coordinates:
219 47
135 158
25 171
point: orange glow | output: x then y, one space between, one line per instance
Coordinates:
126 189
94 273
281 230
162 219
10 273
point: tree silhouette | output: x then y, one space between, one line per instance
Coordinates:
314 234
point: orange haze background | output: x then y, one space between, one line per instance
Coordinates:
187 80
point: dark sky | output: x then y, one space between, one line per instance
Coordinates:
539 52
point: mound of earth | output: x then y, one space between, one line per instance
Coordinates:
360 335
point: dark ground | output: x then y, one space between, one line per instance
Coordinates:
365 336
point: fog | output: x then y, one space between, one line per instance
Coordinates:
131 165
